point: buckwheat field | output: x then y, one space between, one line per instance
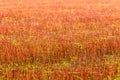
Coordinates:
59 39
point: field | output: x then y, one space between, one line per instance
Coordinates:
59 40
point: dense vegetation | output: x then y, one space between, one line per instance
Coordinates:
50 40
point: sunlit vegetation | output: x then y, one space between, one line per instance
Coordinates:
45 41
